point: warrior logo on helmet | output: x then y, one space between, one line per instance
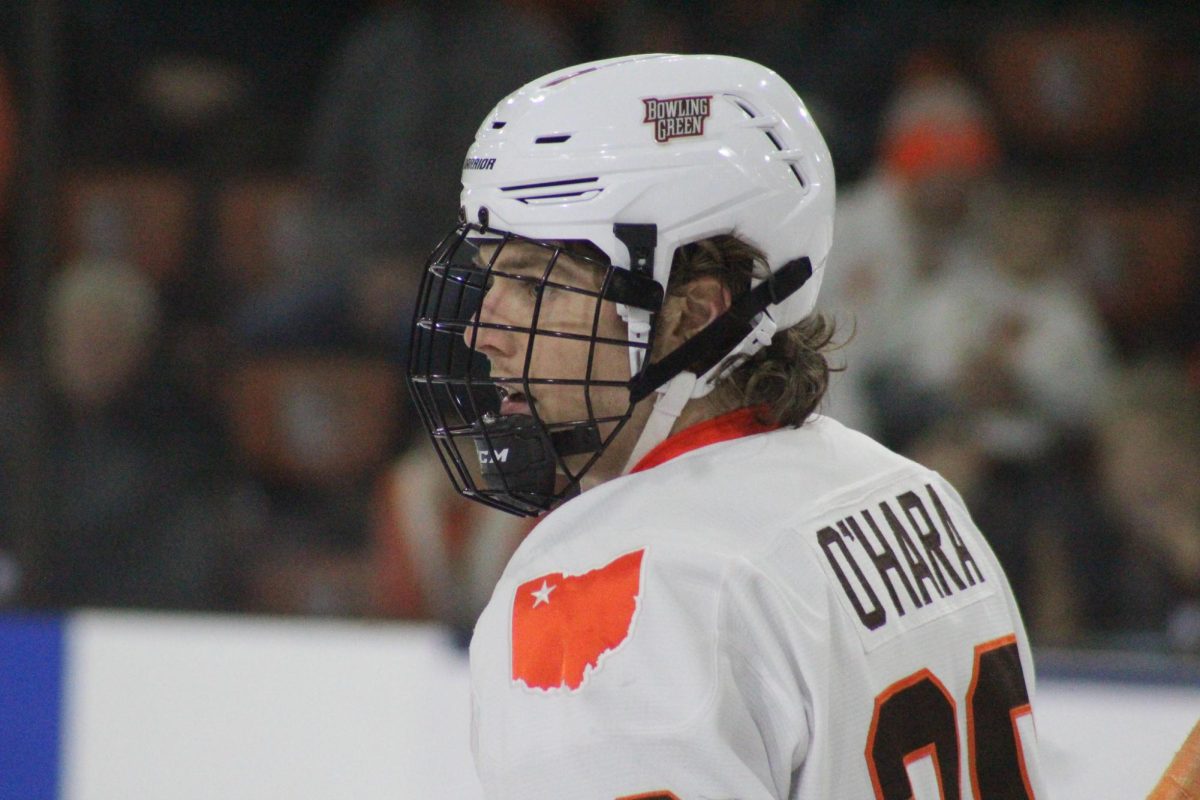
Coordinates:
677 116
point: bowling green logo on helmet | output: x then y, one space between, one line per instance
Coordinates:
673 117
565 626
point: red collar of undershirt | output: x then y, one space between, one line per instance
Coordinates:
733 425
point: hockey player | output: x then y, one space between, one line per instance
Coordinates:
732 596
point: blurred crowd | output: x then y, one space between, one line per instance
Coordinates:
214 417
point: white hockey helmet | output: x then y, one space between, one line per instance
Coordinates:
695 145
639 156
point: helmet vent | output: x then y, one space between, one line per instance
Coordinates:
559 197
568 182
557 139
791 166
775 141
498 124
566 191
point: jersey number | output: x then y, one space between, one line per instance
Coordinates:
916 717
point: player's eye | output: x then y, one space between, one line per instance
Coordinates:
475 276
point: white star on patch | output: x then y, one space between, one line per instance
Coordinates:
542 595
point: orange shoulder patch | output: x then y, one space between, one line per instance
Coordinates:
563 625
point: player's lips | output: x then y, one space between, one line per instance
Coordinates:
513 402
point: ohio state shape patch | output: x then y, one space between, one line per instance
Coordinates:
673 117
564 626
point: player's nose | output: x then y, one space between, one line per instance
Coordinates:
486 333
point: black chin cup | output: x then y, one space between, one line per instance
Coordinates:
518 459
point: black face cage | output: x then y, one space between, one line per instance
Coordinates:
519 462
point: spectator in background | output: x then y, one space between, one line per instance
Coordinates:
975 351
1150 470
400 102
1008 335
130 517
921 209
998 381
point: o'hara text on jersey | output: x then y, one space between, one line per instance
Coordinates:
918 560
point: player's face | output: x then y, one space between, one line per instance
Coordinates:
517 272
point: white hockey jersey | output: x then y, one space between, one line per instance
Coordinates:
798 614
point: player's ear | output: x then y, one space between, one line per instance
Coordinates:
688 311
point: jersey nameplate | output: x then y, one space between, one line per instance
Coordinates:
899 562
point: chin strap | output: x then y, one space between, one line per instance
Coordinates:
693 368
739 329
667 408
